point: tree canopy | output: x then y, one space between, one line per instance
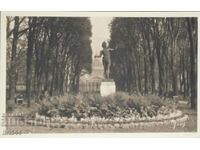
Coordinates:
56 50
155 55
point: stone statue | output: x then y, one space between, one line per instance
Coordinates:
106 59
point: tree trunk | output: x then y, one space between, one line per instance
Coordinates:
145 70
152 65
160 68
32 22
12 81
193 81
174 74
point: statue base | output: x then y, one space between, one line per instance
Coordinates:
107 87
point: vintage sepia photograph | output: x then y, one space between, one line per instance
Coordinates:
100 74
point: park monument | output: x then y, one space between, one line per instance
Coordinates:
107 86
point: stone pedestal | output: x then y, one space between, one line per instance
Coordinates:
107 87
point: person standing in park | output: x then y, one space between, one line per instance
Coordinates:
106 59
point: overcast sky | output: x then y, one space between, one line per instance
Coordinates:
100 32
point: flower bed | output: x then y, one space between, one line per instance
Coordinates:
117 105
173 120
116 111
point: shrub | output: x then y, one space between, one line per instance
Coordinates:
29 111
46 106
117 105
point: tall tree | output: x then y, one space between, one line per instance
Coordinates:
57 50
192 31
12 79
158 51
31 38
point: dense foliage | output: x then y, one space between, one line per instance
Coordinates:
120 105
155 55
52 52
